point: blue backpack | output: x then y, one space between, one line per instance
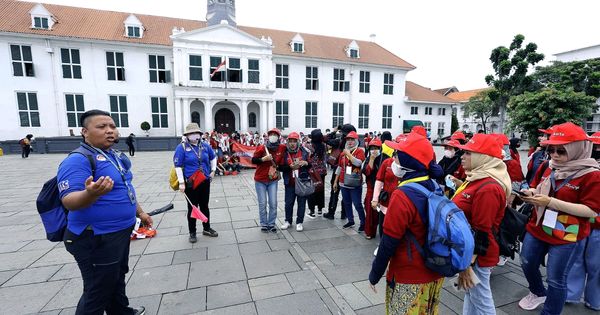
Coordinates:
50 207
449 245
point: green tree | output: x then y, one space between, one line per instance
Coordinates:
510 72
481 106
549 106
581 76
454 124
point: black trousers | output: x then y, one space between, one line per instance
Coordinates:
131 150
317 199
103 261
198 197
333 199
25 151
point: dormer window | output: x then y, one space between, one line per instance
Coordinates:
297 44
41 22
353 51
41 18
133 31
133 27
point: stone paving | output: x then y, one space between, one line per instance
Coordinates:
321 270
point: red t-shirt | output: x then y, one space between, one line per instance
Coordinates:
358 153
484 209
460 173
514 170
390 181
262 169
288 159
402 216
581 190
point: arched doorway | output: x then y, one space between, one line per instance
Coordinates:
225 121
196 117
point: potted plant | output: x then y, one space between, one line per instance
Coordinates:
146 128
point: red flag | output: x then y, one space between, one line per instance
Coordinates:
222 64
196 213
244 153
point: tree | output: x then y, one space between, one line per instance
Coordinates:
581 76
481 106
145 126
510 72
547 107
454 125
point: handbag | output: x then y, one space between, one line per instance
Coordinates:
353 180
197 178
273 172
317 180
304 186
332 158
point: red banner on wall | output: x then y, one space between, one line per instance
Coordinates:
244 153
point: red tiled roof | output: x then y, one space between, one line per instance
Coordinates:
95 24
419 93
464 96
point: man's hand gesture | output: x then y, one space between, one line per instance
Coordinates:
102 186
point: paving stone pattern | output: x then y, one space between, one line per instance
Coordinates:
322 270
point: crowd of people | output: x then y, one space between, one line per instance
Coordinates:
477 175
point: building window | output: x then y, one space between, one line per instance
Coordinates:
339 80
312 78
29 113
71 64
363 116
253 71
441 111
160 117
217 68
427 126
41 22
388 83
133 31
428 110
195 68
158 72
386 122
338 114
281 114
353 53
75 108
365 82
234 70
118 110
298 47
414 110
252 120
311 115
441 127
115 66
22 61
282 76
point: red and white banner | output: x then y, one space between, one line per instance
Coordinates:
218 68
244 153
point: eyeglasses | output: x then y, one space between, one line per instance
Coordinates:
559 151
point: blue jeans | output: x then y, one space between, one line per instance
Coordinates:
352 196
290 198
479 299
560 260
262 190
586 264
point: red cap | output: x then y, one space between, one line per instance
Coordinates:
275 130
458 135
419 130
352 134
415 145
595 138
546 131
401 136
452 143
484 144
565 133
502 138
375 143
293 135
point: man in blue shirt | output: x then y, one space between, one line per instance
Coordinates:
102 211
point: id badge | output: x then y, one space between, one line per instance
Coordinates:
550 218
131 196
348 169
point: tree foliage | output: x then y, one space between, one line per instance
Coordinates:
581 76
481 106
454 124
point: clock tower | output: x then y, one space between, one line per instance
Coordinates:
219 10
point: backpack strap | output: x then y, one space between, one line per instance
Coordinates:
89 155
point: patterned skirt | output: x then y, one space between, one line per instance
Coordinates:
413 299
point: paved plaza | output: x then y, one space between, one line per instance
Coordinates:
321 270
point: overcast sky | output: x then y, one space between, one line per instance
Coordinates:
448 41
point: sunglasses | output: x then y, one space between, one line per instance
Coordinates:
559 151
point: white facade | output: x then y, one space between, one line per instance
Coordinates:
436 117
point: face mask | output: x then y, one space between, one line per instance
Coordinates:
449 153
449 183
375 152
194 137
398 170
273 138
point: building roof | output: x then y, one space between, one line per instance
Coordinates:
446 91
418 93
464 96
84 23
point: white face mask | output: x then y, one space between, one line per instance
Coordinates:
273 138
374 152
194 137
449 153
398 170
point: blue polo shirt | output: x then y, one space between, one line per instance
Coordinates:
187 158
113 211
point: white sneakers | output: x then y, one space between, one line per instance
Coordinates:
299 227
285 226
531 301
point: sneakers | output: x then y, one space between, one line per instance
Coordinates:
320 212
531 301
328 216
361 228
193 238
348 225
285 226
502 261
139 311
311 215
375 252
299 227
272 229
264 229
210 232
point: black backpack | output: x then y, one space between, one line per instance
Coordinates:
49 206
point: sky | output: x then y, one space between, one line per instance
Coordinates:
448 41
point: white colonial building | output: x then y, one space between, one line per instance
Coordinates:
59 61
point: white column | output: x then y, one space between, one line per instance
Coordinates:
263 116
244 116
270 114
178 109
185 107
208 117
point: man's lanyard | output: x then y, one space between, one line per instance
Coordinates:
122 171
413 180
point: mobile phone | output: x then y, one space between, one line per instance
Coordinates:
520 193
